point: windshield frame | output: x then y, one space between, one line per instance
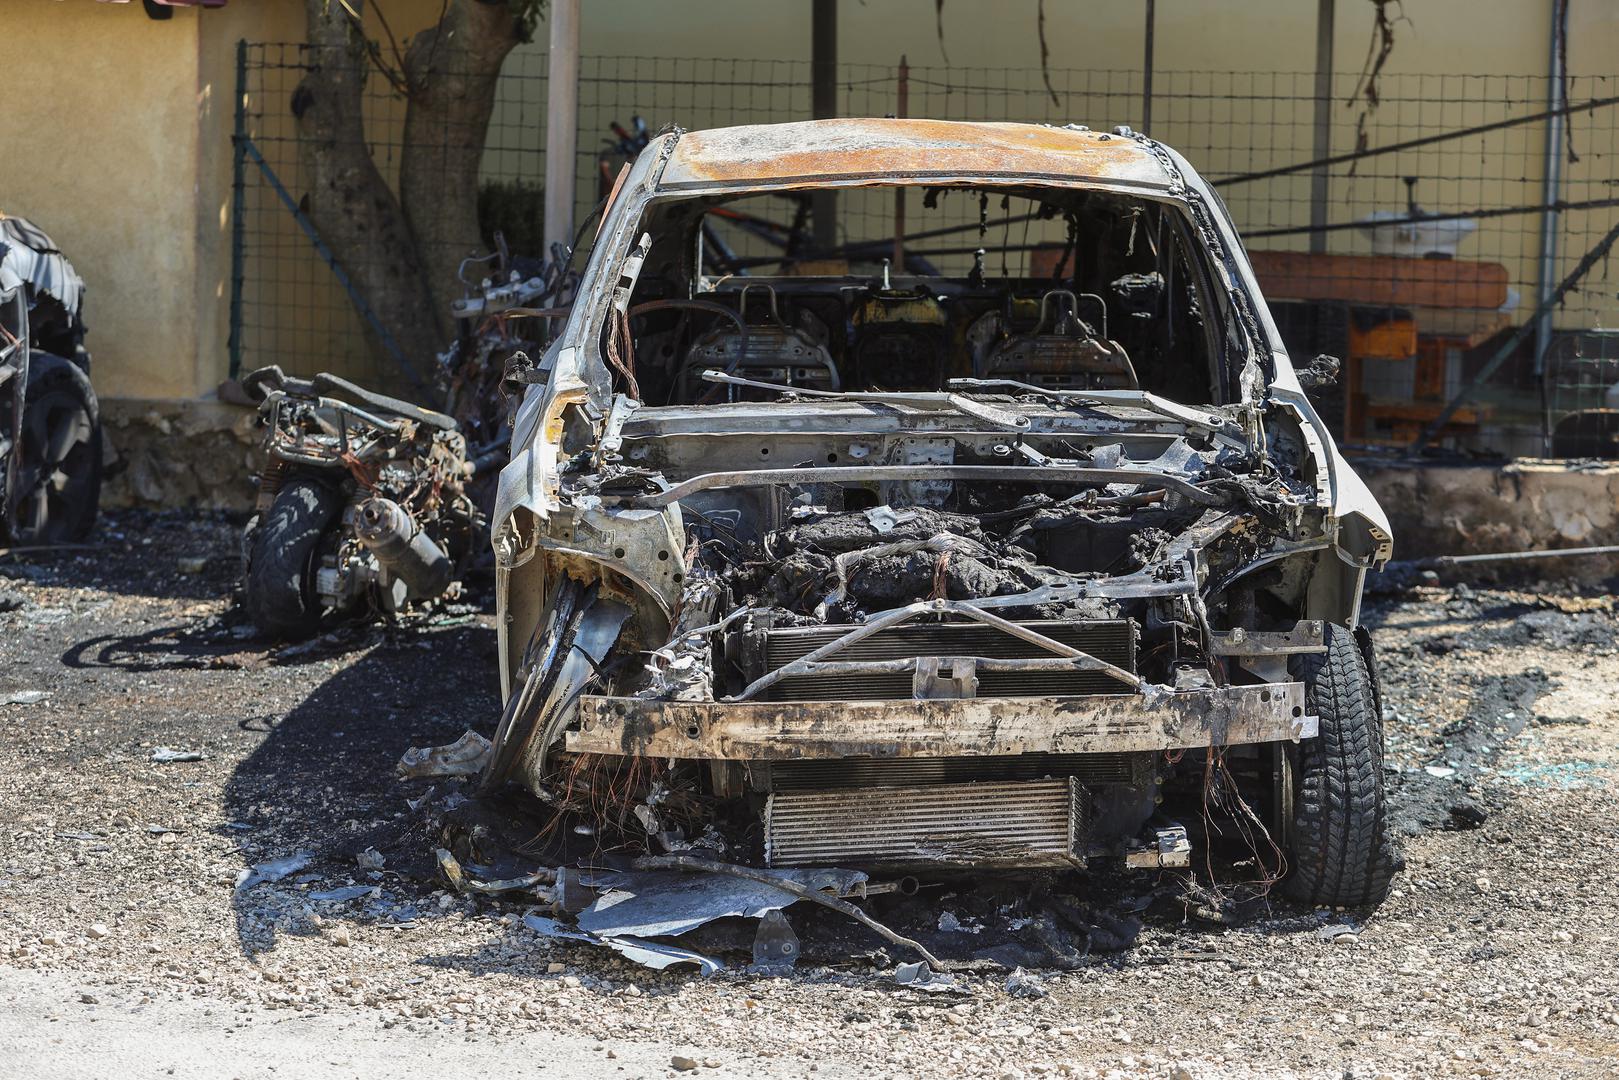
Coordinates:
579 359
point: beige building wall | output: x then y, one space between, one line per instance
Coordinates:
1473 53
1264 51
1475 37
116 141
100 148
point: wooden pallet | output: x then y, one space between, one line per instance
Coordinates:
1380 279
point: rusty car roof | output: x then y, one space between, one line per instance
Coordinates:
890 150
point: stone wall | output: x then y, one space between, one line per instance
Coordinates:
1520 505
168 454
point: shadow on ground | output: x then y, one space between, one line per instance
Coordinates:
174 647
323 778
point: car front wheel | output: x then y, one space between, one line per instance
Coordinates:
59 465
1342 853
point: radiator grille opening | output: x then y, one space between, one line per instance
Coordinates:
1112 640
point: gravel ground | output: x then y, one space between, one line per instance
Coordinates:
125 948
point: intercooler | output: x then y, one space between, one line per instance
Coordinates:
1112 640
1016 823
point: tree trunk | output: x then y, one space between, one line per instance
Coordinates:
350 202
452 70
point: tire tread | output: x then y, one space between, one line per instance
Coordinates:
1343 854
277 590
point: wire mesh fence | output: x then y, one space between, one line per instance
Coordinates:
1411 237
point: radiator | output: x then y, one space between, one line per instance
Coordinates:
1112 640
1010 824
814 774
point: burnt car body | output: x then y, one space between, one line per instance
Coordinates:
936 569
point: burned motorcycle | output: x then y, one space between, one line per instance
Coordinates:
506 318
362 505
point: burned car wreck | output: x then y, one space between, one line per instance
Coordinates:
51 439
922 564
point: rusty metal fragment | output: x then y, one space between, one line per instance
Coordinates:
879 151
466 756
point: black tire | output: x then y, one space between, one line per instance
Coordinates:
283 554
58 477
1342 853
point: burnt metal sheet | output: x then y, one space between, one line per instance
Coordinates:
842 419
653 954
1020 823
34 257
779 731
829 474
661 903
900 151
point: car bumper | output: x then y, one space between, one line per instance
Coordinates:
958 727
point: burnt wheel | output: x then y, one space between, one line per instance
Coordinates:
283 555
1341 851
58 478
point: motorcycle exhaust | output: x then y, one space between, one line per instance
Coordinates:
404 550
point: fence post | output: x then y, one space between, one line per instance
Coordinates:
824 105
238 226
1556 104
902 109
1146 67
1326 16
561 122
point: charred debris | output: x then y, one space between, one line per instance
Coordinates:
51 440
362 508
1105 571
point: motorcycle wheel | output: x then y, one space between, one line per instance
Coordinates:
283 555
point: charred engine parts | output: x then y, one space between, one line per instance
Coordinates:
362 505
403 548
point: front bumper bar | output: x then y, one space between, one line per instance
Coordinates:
957 727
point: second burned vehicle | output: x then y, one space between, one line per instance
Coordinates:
50 421
836 563
362 505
